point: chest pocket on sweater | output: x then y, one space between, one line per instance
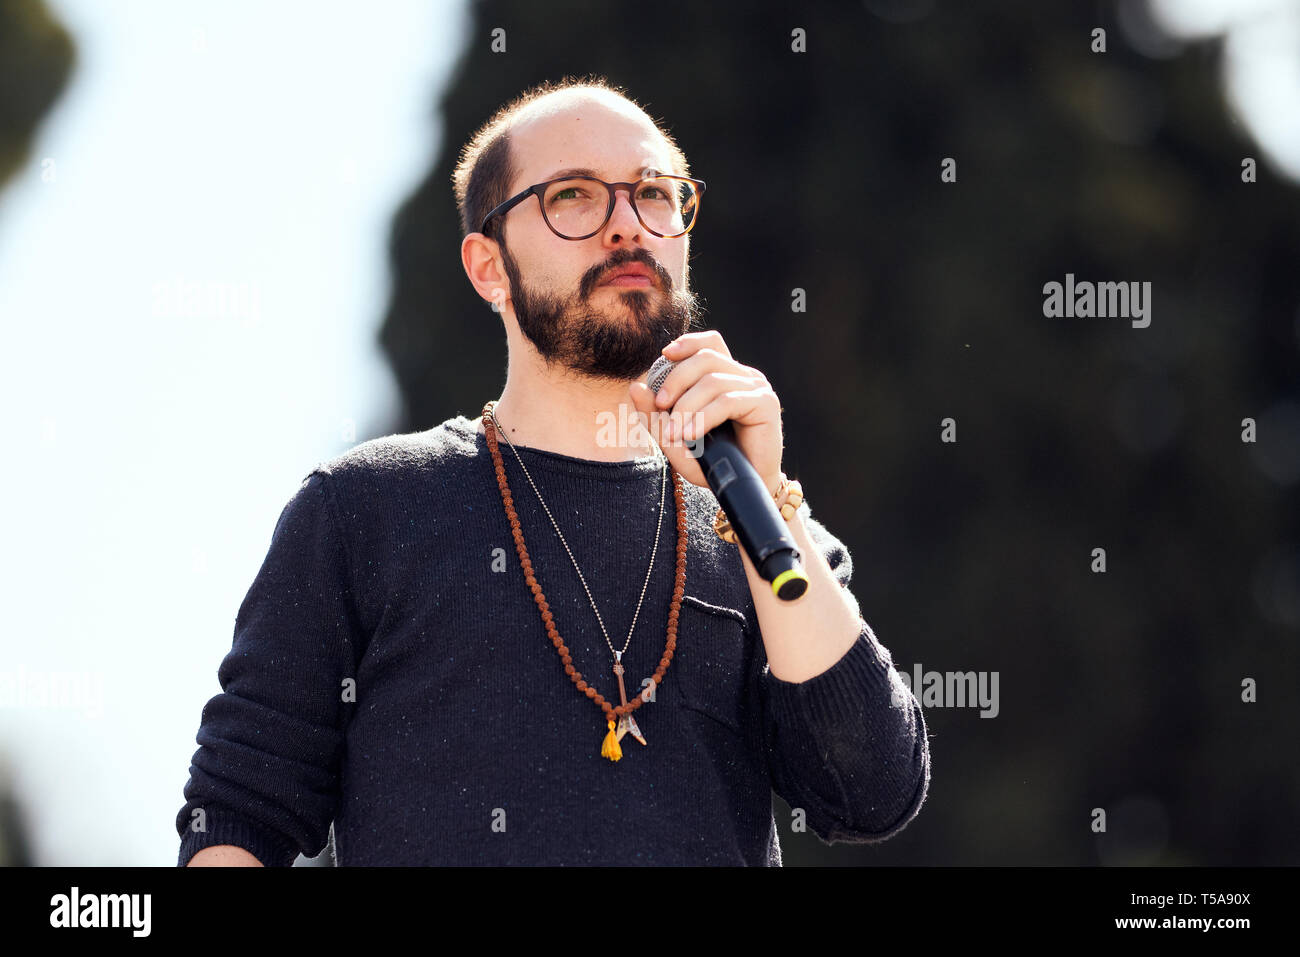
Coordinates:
711 660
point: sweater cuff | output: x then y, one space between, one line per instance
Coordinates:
226 827
836 695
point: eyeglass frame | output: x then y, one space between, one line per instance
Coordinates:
539 190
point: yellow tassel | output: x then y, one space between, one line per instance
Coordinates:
610 749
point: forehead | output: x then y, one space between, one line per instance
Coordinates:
617 145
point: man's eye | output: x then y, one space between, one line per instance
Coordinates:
561 194
656 193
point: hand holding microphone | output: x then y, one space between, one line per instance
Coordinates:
731 422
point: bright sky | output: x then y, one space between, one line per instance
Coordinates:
1261 64
192 273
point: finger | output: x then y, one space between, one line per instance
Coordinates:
691 342
647 416
655 421
641 396
680 458
706 391
690 468
756 407
689 371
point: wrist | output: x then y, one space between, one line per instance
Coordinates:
787 493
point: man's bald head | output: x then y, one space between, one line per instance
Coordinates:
492 162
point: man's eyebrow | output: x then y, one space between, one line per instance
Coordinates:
583 171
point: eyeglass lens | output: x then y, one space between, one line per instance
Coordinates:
577 207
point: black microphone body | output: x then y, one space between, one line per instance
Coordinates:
762 532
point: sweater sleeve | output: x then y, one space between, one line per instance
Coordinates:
266 774
849 745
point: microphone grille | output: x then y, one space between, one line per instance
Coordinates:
659 372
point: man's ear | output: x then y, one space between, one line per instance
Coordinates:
481 258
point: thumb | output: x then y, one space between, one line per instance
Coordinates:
644 402
676 451
642 398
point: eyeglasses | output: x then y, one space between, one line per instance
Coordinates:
575 208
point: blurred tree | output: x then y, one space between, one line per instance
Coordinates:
925 300
15 844
36 59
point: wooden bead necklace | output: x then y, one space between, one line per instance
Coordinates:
623 713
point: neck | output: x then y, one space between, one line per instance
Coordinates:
549 409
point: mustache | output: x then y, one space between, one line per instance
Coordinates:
595 276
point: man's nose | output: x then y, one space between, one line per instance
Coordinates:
623 216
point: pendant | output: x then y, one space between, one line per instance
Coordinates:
626 724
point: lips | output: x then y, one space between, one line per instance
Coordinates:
630 276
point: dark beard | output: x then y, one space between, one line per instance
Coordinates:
621 344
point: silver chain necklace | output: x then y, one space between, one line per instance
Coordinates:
663 484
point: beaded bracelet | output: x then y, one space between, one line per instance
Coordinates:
788 497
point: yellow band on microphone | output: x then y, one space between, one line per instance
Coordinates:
785 576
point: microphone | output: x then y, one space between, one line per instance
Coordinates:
762 532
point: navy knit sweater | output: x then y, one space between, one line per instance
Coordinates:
391 675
